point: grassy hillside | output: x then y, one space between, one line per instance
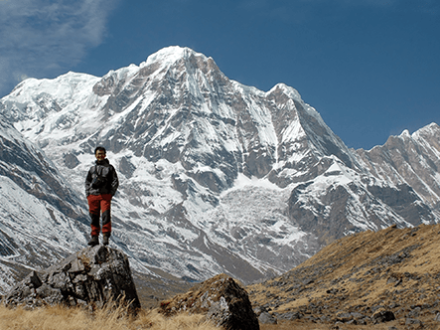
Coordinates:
396 270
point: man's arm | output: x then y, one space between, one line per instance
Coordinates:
115 182
88 183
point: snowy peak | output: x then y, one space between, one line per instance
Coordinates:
290 92
167 63
175 55
430 132
63 90
49 106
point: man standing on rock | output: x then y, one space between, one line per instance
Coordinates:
101 185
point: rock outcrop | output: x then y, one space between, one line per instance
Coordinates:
220 299
94 275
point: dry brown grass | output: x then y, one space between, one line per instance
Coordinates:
357 267
63 318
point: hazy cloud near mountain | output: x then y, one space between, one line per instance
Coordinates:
42 37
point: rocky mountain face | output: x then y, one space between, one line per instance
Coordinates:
413 160
218 177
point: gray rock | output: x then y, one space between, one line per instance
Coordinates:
259 309
375 308
221 300
357 316
94 275
344 317
71 161
291 316
409 321
383 316
266 318
414 313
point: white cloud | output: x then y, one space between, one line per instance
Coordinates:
43 37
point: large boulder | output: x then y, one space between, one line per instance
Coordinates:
94 275
220 299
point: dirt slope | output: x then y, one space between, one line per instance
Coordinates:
367 274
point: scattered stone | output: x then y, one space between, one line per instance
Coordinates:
95 275
414 313
332 291
266 318
375 308
393 305
409 321
311 318
259 309
357 316
325 318
220 299
344 317
291 316
383 316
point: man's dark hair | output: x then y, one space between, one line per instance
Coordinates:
100 149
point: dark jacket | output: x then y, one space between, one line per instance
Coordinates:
108 173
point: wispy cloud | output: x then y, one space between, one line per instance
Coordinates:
44 37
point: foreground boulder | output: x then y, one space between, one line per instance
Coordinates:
94 275
220 299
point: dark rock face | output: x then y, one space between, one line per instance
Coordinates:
383 316
221 299
94 275
71 161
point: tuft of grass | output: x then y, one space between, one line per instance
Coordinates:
109 318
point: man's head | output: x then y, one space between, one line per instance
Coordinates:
100 153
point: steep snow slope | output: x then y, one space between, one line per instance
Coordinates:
41 219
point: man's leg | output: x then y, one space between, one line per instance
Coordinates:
94 210
106 217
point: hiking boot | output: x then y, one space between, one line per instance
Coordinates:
94 241
105 238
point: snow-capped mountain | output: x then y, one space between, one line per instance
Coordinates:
216 176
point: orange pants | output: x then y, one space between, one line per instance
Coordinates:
100 204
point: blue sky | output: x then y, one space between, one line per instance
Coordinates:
371 68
